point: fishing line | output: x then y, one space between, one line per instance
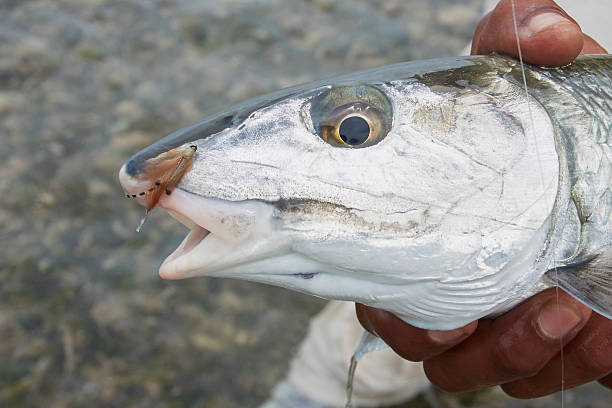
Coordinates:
535 140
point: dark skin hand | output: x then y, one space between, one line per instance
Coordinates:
521 349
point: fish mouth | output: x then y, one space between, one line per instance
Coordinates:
222 234
238 239
233 239
195 237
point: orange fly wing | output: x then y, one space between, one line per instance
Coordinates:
166 171
158 170
182 167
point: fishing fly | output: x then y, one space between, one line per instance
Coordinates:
166 171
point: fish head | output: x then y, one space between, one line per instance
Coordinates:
360 188
266 178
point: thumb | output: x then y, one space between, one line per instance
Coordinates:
548 36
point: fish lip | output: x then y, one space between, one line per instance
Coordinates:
224 234
185 207
194 238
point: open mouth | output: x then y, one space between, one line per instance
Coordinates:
226 238
218 229
229 239
238 239
195 236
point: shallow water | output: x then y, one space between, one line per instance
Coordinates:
84 318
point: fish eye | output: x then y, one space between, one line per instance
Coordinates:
351 116
354 130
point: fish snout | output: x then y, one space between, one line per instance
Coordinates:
151 178
133 187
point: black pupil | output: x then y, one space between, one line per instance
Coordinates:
354 130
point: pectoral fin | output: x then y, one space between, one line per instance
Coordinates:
588 280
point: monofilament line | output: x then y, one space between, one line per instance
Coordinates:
535 139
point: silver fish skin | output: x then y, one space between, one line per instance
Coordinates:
464 194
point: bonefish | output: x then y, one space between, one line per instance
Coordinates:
421 188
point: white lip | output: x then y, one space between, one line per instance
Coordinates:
192 240
223 234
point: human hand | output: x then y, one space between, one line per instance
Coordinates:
548 36
521 349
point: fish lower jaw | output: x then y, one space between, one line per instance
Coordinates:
168 269
223 234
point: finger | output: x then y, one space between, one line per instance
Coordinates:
515 345
411 343
548 36
586 358
590 46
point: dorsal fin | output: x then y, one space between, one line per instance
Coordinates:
589 280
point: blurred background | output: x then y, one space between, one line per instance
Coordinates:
84 318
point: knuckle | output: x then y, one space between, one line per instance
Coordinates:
594 361
515 364
592 353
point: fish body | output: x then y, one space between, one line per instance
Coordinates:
438 190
